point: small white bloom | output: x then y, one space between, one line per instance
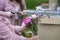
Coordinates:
34 16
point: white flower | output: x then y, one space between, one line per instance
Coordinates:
34 16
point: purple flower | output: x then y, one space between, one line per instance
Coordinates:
27 20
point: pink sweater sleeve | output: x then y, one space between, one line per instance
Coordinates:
6 34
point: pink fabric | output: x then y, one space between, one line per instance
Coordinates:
6 30
8 23
11 7
1 5
6 5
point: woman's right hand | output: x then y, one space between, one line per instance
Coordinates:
8 14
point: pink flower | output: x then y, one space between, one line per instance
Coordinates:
27 20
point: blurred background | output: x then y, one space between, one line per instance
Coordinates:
31 4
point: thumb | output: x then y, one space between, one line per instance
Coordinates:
20 12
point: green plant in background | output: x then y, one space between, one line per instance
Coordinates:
59 2
31 4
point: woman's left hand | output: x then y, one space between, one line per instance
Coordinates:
20 12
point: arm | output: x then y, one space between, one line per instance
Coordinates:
4 31
23 26
6 34
19 28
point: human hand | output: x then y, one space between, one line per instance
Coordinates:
8 14
20 12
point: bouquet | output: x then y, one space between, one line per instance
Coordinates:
31 27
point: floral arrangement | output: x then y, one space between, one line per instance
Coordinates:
31 26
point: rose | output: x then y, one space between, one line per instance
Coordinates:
27 21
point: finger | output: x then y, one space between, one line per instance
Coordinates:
21 12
